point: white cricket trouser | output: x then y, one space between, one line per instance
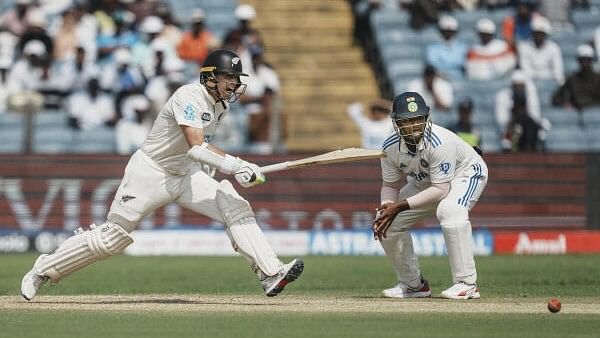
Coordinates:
453 214
146 186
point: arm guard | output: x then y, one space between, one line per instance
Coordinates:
226 164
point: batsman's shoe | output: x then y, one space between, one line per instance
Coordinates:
273 285
462 290
404 291
32 281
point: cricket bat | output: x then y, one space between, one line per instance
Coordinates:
336 156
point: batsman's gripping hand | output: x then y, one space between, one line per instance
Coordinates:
384 217
249 175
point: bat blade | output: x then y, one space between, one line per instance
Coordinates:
336 156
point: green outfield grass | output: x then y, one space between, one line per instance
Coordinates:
503 280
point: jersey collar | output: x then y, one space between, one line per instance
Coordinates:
404 148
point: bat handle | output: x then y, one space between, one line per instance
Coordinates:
274 167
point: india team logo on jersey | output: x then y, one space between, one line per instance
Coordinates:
190 113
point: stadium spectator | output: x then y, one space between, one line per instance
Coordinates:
582 89
141 8
362 33
249 36
8 43
541 59
491 58
76 28
122 77
464 126
66 40
160 87
90 108
375 126
36 30
422 12
15 18
131 130
433 88
51 84
150 50
117 33
518 115
76 71
196 43
448 56
26 72
558 12
517 27
171 31
259 101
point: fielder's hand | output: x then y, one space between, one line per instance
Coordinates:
249 175
384 217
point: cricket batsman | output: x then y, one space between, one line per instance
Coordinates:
427 170
176 163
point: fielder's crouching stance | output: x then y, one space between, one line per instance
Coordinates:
175 164
445 177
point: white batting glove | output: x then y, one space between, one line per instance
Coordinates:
249 175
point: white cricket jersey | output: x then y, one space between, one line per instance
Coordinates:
442 157
190 105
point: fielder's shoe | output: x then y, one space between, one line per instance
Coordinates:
32 282
273 285
404 291
462 290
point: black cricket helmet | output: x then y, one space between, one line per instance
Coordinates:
411 106
224 62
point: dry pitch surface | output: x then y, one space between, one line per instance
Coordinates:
297 304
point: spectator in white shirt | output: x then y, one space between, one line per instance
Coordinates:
76 71
26 73
90 108
132 129
521 94
375 126
160 87
8 41
541 58
433 88
491 58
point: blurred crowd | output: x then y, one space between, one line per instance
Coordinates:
520 49
114 64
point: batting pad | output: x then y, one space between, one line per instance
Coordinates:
245 235
83 249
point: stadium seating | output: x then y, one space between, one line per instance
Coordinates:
11 132
401 49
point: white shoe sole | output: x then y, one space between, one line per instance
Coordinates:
424 294
474 295
291 275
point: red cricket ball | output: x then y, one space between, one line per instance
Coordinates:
554 305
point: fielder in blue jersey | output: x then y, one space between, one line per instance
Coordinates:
427 170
